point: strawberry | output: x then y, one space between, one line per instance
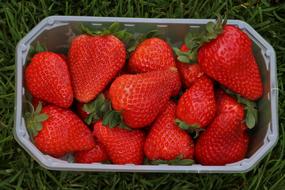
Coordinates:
227 57
151 55
197 105
166 141
58 131
141 97
47 78
96 154
226 139
94 60
188 72
122 145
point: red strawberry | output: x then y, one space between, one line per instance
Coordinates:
226 139
197 105
151 55
188 72
141 97
47 78
229 59
122 145
94 61
58 131
96 154
166 141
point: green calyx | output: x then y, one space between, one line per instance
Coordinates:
101 108
135 41
34 120
195 128
177 161
37 49
250 107
113 29
194 41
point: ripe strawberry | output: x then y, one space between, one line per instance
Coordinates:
151 55
166 141
122 145
96 154
93 62
141 97
226 139
188 72
47 78
58 131
197 105
229 59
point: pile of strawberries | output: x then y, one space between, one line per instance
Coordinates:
152 105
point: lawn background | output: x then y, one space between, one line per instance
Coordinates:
19 171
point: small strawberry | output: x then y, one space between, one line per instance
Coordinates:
141 97
188 72
166 141
151 55
47 78
225 53
58 131
226 139
122 145
197 105
94 60
96 154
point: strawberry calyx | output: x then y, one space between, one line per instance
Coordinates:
250 107
34 119
134 42
101 108
194 41
37 49
194 128
113 29
179 160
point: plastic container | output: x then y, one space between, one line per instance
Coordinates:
56 32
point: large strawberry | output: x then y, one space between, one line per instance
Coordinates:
122 145
94 60
58 131
225 54
188 72
96 154
226 139
151 55
166 141
47 78
197 105
141 97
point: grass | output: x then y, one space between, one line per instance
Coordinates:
19 171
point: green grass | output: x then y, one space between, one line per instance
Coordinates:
19 171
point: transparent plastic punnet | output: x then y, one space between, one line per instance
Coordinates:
56 32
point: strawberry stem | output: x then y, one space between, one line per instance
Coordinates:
179 160
194 128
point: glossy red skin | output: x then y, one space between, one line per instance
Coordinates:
166 141
63 132
225 141
229 60
96 154
47 78
141 97
123 146
197 105
151 55
188 72
93 62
